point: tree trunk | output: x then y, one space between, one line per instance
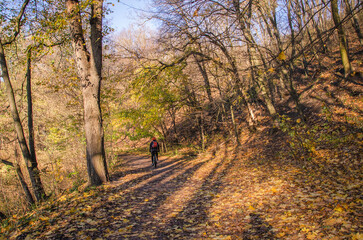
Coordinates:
30 162
172 113
30 106
342 40
234 126
201 130
165 148
89 71
314 23
21 178
253 58
251 119
355 21
287 68
203 71
31 124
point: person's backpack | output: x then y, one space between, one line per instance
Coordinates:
155 144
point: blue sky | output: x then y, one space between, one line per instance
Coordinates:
125 12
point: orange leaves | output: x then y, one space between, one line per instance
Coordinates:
357 236
250 207
274 190
312 235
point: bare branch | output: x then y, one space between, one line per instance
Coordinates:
18 20
6 162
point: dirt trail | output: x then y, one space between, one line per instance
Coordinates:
164 203
234 195
169 202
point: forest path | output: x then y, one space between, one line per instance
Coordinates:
169 202
235 194
180 199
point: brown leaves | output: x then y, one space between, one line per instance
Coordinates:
230 197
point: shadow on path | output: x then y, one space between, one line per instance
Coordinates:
171 202
259 229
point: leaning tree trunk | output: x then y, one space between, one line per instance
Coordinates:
89 70
203 71
30 162
24 185
241 89
16 166
245 25
287 68
342 40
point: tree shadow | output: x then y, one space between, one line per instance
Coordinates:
259 229
162 166
128 205
196 211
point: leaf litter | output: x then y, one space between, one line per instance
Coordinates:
233 195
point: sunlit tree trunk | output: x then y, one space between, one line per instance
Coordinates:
89 67
30 162
16 166
245 26
286 70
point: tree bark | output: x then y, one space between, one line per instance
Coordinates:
234 126
318 31
21 178
355 21
89 68
233 70
203 71
287 68
342 40
30 107
31 123
253 58
200 122
30 162
28 195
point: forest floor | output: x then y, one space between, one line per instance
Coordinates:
233 194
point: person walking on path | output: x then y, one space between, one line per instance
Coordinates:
154 149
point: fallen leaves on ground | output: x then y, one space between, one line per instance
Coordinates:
233 195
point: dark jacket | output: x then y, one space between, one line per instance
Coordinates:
152 149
